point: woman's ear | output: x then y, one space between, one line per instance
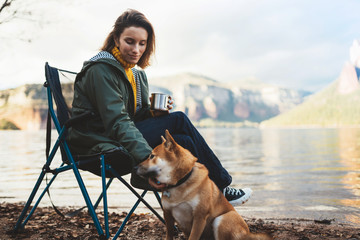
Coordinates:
116 41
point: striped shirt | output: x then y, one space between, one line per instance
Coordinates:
105 54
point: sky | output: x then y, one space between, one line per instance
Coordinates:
298 44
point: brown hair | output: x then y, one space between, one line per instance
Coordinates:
128 19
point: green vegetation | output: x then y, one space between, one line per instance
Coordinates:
327 108
7 125
208 122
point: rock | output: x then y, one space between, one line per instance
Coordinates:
355 53
199 97
26 106
348 80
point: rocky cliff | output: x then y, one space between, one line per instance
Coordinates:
337 105
198 96
25 107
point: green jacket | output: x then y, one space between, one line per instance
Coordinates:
103 87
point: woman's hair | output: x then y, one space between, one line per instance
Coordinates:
132 18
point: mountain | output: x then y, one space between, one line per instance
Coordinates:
206 101
25 107
338 105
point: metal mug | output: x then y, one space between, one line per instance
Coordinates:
159 101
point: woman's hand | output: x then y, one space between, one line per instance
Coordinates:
170 103
158 113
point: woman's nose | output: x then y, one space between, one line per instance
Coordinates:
135 49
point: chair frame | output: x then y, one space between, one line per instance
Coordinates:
74 166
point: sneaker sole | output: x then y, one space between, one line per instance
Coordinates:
242 200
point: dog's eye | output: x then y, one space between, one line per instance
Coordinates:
151 156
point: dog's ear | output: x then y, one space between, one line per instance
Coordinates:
166 143
169 141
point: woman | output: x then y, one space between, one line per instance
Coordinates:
110 86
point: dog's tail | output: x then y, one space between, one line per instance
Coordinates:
257 236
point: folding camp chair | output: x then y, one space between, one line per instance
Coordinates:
102 161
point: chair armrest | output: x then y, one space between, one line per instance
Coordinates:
80 118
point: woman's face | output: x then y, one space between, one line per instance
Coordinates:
132 43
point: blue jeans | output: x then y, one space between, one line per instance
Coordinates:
186 135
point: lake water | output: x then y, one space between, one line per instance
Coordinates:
294 173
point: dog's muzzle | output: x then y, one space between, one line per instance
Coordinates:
145 173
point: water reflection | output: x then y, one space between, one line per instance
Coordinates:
299 173
349 152
309 173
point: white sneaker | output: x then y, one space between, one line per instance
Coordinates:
237 197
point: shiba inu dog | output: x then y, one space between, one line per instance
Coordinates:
189 197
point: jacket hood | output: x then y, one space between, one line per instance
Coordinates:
102 57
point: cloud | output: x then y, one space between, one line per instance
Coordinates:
297 44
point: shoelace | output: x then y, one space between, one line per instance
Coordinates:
233 191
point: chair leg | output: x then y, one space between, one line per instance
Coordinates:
136 193
19 223
104 186
158 198
101 195
128 216
84 191
88 202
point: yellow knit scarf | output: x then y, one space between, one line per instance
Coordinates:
127 67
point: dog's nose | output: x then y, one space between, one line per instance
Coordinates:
150 174
136 168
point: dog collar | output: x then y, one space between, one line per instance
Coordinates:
181 181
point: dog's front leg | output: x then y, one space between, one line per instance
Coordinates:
169 222
198 227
